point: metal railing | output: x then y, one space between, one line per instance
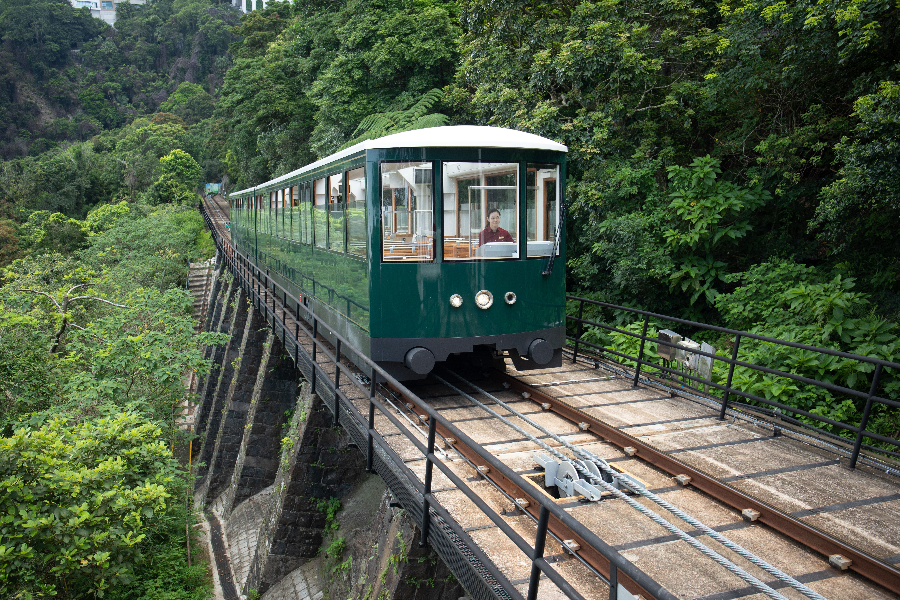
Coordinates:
733 361
478 574
310 286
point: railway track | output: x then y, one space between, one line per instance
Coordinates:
801 542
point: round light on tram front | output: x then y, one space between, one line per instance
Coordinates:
510 298
484 299
455 300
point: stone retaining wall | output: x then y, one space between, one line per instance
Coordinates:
270 460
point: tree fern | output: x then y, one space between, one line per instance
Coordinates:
416 116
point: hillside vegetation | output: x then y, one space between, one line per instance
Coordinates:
735 162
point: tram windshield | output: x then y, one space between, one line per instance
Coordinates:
407 211
481 210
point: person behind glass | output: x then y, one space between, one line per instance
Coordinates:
493 232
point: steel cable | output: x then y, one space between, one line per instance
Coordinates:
771 570
705 550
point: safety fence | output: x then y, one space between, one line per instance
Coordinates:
674 353
469 564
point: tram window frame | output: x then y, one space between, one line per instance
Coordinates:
337 216
537 247
270 220
295 213
285 213
306 191
320 216
279 213
415 242
464 247
352 220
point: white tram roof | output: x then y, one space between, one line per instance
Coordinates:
453 136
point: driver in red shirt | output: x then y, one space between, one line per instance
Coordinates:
493 232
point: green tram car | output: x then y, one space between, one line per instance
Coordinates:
390 243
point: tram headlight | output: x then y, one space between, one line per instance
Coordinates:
510 298
455 300
484 299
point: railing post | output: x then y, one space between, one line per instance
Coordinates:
370 449
429 466
865 418
315 339
734 354
578 332
337 379
314 344
540 539
637 370
613 582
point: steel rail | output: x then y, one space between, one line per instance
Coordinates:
639 490
618 568
757 415
867 566
870 398
507 480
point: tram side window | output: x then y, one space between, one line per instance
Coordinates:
279 213
541 208
285 222
336 212
295 213
306 212
271 213
320 212
356 212
407 211
481 210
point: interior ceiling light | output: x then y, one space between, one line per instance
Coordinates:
484 299
456 301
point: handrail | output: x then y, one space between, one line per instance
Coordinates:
241 266
870 397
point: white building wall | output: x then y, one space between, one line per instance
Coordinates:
105 10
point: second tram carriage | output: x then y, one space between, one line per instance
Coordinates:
389 242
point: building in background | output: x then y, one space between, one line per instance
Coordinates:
102 9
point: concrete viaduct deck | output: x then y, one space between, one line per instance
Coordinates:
270 454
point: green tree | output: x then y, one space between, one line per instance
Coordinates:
705 212
178 179
790 301
858 211
190 102
390 53
416 116
306 77
95 104
143 145
136 356
78 500
9 242
105 217
46 232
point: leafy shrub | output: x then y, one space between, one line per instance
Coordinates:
77 501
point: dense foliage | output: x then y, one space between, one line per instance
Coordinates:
306 74
66 76
85 497
96 335
731 161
